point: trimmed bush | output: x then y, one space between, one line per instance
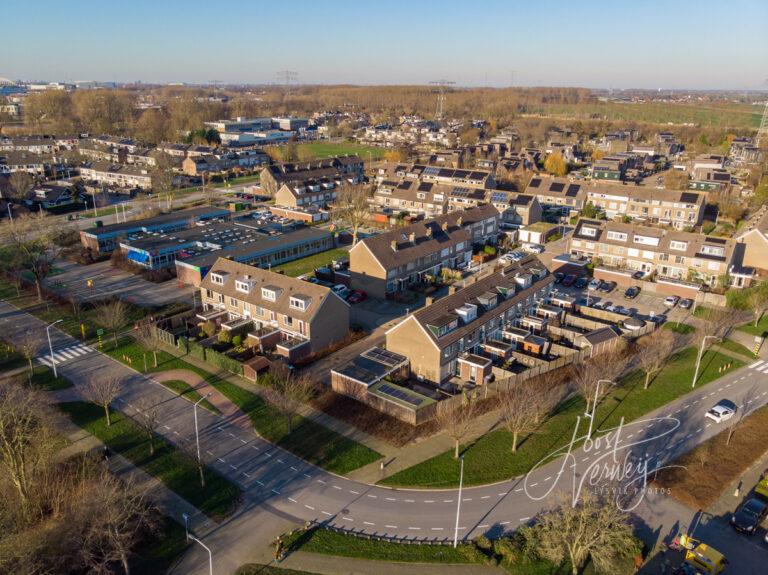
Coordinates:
196 350
224 362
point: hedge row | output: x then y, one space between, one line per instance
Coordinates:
210 356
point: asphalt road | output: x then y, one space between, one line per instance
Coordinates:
287 485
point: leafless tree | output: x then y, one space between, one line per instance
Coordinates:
653 352
102 390
189 449
289 390
120 514
21 183
147 419
112 315
30 344
455 419
28 439
148 338
592 529
758 300
351 206
523 406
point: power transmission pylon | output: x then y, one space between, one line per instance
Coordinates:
286 78
441 86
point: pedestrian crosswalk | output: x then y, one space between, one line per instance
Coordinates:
65 354
760 365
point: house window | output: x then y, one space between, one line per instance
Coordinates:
268 294
217 279
208 294
678 246
288 320
298 303
233 302
242 286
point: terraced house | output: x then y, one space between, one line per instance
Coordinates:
445 339
669 254
558 194
290 317
387 263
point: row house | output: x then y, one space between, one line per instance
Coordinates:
119 175
670 254
679 209
291 318
560 194
413 196
387 263
347 168
34 164
448 337
469 178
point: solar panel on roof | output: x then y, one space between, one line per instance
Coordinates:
400 394
385 356
715 240
404 185
431 171
498 197
425 186
460 192
572 190
557 187
477 175
535 183
446 173
689 198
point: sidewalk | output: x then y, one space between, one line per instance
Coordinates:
332 565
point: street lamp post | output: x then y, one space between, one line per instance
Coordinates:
591 416
191 537
698 358
50 346
458 505
197 433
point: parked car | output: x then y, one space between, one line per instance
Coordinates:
671 300
722 411
533 248
580 283
600 304
632 292
569 279
341 290
685 303
610 307
607 287
357 296
638 275
559 277
594 284
749 515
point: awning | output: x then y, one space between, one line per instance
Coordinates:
138 257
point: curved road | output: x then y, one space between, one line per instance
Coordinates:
273 477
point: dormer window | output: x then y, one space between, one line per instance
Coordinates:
300 303
269 293
679 246
243 286
218 278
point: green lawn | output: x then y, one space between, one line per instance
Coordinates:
183 389
329 149
310 441
42 377
178 472
255 569
760 329
681 328
328 542
734 347
311 263
490 459
10 359
157 554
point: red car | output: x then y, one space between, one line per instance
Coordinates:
356 296
569 279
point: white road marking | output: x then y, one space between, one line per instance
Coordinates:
292 467
408 500
165 426
505 523
276 491
248 476
447 500
292 500
243 441
281 461
220 459
482 526
321 481
256 448
309 507
260 483
524 518
233 467
390 499
518 490
337 487
372 496
326 513
485 497
209 453
467 499
415 528
308 476
347 519
437 529
429 501
368 523
391 526
503 494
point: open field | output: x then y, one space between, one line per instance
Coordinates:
490 459
308 440
329 149
179 473
711 466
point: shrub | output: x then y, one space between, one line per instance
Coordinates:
224 362
209 328
224 336
490 250
196 350
237 341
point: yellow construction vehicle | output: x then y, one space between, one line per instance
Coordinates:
701 557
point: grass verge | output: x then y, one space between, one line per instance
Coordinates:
681 328
311 263
735 347
752 329
177 472
157 554
255 569
43 378
490 459
713 465
310 441
183 389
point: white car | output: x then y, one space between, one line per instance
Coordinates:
341 290
534 248
671 301
722 411
594 284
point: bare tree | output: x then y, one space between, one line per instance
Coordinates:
523 406
351 207
758 300
20 183
189 449
148 338
112 315
31 239
121 513
653 351
455 419
289 390
30 344
28 439
102 390
591 529
147 419
607 366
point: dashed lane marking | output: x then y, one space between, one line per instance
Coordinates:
292 500
309 507
368 523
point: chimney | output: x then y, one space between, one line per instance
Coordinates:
444 227
451 289
429 300
459 221
393 245
412 237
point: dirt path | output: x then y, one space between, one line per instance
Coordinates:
228 409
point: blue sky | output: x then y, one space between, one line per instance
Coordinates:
619 44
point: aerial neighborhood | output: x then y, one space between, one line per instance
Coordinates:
319 327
